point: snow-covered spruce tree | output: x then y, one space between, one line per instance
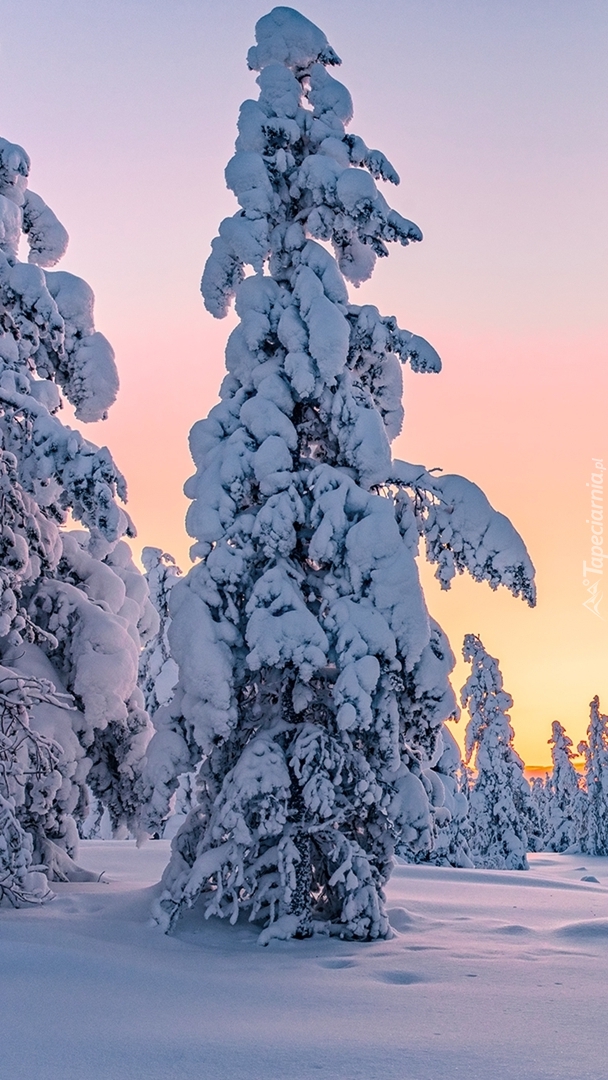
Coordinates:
312 682
499 804
157 669
70 602
594 839
565 799
537 825
158 676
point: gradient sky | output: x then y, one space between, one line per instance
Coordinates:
495 113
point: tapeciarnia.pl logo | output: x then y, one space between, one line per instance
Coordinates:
593 571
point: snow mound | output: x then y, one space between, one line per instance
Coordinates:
400 919
588 930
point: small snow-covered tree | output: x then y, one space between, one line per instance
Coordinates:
71 602
448 797
565 799
28 772
158 676
500 795
157 669
595 752
313 683
537 826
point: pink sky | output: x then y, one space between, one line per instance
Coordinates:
495 115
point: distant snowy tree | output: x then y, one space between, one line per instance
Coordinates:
565 799
158 675
537 826
313 683
71 602
500 795
449 805
595 752
157 670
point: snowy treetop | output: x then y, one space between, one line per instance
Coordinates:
48 344
298 175
47 238
286 37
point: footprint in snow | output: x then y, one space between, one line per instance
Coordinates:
513 929
399 978
335 964
590 877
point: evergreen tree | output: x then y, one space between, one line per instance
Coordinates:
595 752
448 796
313 683
158 676
157 670
70 602
500 796
537 826
565 800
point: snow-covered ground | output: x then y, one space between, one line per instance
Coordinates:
490 975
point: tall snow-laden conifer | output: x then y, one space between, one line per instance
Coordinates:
500 796
313 683
595 751
564 798
70 602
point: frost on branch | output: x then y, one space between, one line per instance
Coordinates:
71 604
500 795
313 686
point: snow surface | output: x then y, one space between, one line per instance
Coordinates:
491 974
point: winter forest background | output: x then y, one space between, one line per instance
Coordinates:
283 710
